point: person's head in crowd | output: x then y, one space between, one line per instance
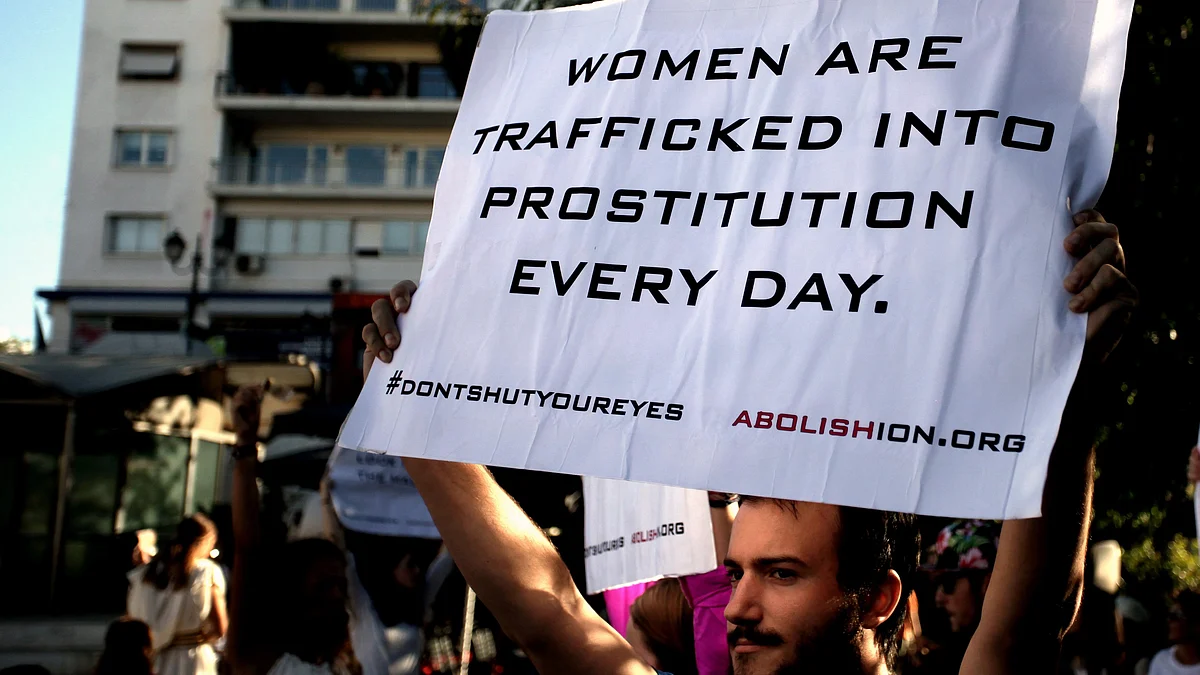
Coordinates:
128 649
392 570
1183 619
309 603
818 586
660 628
961 562
194 540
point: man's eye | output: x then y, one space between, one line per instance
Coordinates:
782 574
734 575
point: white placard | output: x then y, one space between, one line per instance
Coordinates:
635 532
852 296
372 493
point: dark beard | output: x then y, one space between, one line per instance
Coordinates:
321 638
832 649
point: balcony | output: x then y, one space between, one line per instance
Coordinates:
314 107
405 180
377 12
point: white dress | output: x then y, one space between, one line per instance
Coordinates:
178 611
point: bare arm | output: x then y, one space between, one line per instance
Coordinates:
220 615
502 554
1038 578
241 650
518 574
722 523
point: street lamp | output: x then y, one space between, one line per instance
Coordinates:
174 248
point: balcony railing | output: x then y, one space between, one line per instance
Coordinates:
384 6
393 174
373 81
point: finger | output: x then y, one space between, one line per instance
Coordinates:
1108 252
402 294
1088 215
368 361
1106 283
375 343
1088 235
385 322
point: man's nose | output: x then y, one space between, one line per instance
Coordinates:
744 608
939 598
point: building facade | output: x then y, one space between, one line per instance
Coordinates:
294 143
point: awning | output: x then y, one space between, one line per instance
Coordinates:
72 376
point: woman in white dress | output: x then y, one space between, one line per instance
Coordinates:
180 594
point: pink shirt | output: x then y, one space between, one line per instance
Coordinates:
708 594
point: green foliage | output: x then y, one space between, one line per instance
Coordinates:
1150 403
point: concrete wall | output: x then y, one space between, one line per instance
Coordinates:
106 103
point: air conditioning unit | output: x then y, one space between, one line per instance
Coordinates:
250 265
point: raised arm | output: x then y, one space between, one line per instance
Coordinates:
502 554
240 649
1038 578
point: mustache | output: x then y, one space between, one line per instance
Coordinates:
754 636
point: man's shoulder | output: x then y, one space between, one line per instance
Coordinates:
1162 662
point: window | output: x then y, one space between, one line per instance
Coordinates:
294 164
403 237
135 234
422 166
375 5
149 62
366 165
433 82
149 149
283 236
302 4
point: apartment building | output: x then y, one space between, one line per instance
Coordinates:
294 144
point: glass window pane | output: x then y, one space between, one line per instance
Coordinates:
286 163
308 237
156 149
252 236
433 165
126 232
320 158
149 235
92 501
366 165
337 236
155 478
207 477
411 161
422 235
432 81
41 486
397 237
280 236
130 144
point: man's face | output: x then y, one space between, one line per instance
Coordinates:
1180 628
956 597
787 614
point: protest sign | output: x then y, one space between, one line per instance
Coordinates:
635 532
809 250
372 493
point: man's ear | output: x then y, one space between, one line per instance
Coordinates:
886 599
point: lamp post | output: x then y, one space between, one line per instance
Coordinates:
174 247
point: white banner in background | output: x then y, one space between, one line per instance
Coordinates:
634 532
372 493
808 249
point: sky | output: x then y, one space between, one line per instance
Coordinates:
39 62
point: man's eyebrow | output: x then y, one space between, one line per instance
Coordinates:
767 562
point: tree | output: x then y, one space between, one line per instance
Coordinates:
1152 400
14 345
